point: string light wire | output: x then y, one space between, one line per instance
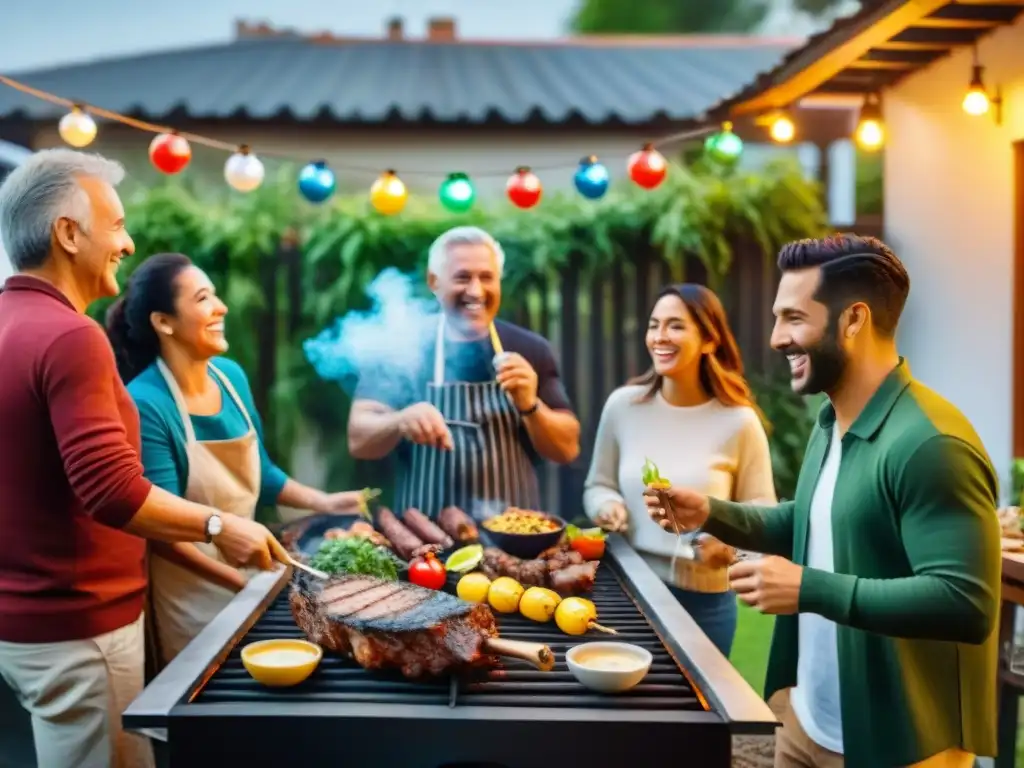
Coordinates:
195 138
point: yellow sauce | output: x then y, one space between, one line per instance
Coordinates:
283 657
605 660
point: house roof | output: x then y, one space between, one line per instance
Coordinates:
875 48
286 76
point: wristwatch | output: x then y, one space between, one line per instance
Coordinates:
214 525
532 409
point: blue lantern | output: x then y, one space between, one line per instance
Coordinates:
591 178
316 182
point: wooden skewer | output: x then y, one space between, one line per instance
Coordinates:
281 555
602 628
495 341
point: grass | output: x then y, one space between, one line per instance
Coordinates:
750 647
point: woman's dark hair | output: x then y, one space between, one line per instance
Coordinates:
721 372
151 288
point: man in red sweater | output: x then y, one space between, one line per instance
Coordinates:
75 509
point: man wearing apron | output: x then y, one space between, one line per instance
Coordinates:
485 406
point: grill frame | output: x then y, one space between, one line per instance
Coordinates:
466 732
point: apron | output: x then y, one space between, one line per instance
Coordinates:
488 467
225 475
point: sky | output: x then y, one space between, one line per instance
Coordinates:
30 38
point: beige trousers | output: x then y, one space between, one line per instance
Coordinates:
76 692
795 749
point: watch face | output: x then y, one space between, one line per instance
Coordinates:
214 526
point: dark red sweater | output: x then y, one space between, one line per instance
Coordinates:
70 475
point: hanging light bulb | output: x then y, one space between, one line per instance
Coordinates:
591 178
724 146
169 153
523 188
647 167
243 171
457 193
976 101
77 128
317 182
782 128
388 194
870 133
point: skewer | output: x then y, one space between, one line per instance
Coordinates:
495 341
602 628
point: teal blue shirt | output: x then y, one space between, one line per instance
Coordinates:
164 459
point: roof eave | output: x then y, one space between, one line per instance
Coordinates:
832 53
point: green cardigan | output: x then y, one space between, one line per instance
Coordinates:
164 460
915 592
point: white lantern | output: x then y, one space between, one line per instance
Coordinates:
243 171
77 128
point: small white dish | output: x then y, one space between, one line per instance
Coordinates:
608 666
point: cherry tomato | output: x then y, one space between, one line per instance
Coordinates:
590 547
428 572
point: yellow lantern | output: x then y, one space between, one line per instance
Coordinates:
870 133
388 194
77 128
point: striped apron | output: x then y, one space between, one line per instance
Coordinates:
488 467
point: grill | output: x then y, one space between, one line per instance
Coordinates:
514 716
514 685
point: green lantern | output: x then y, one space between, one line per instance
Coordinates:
457 193
724 146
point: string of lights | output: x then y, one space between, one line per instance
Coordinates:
170 152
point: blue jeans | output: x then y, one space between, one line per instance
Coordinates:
714 612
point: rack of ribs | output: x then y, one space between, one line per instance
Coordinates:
385 624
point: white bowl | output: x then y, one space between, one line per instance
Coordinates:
620 666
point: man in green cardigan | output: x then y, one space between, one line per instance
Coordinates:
884 570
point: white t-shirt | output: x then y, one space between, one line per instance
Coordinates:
815 699
713 448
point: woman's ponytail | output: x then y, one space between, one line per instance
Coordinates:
151 288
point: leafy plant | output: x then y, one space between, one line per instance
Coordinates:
792 418
287 269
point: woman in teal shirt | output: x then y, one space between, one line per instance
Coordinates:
202 438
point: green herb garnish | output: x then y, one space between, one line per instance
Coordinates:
651 475
355 555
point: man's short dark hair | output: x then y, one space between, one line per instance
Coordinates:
853 268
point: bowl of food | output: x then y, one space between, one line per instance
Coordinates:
608 667
524 532
281 663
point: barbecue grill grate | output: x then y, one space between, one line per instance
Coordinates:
515 684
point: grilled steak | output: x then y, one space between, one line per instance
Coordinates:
391 624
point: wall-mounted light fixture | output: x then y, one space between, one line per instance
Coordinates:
870 134
976 100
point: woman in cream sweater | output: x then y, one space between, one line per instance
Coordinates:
693 415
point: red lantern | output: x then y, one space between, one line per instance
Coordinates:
523 188
647 168
169 153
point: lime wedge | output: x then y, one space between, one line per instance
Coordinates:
465 559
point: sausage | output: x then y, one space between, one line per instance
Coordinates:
404 541
458 525
424 527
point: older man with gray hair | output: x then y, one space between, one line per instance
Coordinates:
488 407
74 505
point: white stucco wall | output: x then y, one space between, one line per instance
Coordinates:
949 203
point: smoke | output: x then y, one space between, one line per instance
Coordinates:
385 345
